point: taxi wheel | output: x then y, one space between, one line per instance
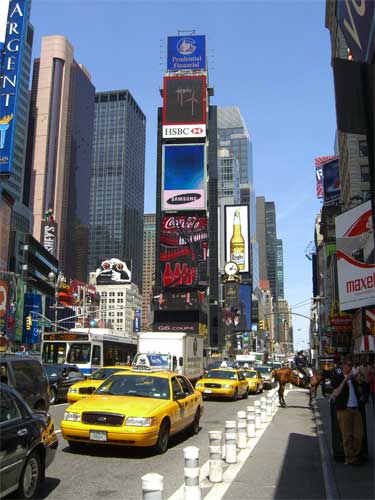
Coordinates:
193 429
30 477
246 395
235 395
163 438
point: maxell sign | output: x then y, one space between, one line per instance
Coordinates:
49 236
355 261
182 131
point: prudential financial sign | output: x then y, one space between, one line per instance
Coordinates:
13 28
186 53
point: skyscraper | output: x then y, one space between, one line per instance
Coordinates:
271 265
149 240
280 269
59 156
15 61
117 183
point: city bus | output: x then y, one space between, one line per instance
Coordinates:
88 349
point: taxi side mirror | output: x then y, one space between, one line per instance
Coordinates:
179 395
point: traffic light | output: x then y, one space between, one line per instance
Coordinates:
246 339
29 322
261 324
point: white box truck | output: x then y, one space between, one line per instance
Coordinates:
174 351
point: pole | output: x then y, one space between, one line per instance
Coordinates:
56 301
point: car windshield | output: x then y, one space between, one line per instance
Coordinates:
135 385
249 374
79 353
264 369
221 374
53 371
104 373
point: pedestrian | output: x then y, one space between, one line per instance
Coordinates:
371 382
347 400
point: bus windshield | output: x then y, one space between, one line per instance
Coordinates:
54 352
79 352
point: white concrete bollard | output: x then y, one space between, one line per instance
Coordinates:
275 397
241 430
215 474
152 486
230 442
250 422
263 410
269 407
192 490
258 423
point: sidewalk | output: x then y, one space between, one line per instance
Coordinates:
347 482
286 462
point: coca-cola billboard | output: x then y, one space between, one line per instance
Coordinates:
183 251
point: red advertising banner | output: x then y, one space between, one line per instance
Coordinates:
183 251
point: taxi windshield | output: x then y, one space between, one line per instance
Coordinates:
103 373
249 374
135 385
221 374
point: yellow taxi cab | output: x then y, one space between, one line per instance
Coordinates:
223 382
86 387
135 408
254 379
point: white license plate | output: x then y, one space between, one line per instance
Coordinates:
207 391
98 436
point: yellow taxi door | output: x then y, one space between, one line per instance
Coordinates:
243 385
190 401
180 406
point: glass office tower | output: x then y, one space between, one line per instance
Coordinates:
117 183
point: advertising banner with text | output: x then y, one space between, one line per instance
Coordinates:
355 257
11 59
183 251
184 100
186 53
237 236
184 177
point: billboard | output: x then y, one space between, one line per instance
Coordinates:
331 181
15 34
49 236
32 306
357 22
183 251
180 300
186 53
113 272
184 100
237 236
245 309
355 257
184 177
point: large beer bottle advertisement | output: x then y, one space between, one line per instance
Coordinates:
237 236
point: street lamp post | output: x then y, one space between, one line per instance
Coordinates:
55 281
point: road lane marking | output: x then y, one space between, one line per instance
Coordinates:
218 490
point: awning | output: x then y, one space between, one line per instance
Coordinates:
367 344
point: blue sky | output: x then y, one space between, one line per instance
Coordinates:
269 58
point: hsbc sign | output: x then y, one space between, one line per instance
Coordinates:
178 131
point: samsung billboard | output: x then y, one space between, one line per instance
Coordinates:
186 53
237 236
13 29
184 177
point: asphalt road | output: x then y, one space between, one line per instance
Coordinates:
115 472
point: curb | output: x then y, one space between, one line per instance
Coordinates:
330 485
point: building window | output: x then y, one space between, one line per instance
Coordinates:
363 149
365 175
